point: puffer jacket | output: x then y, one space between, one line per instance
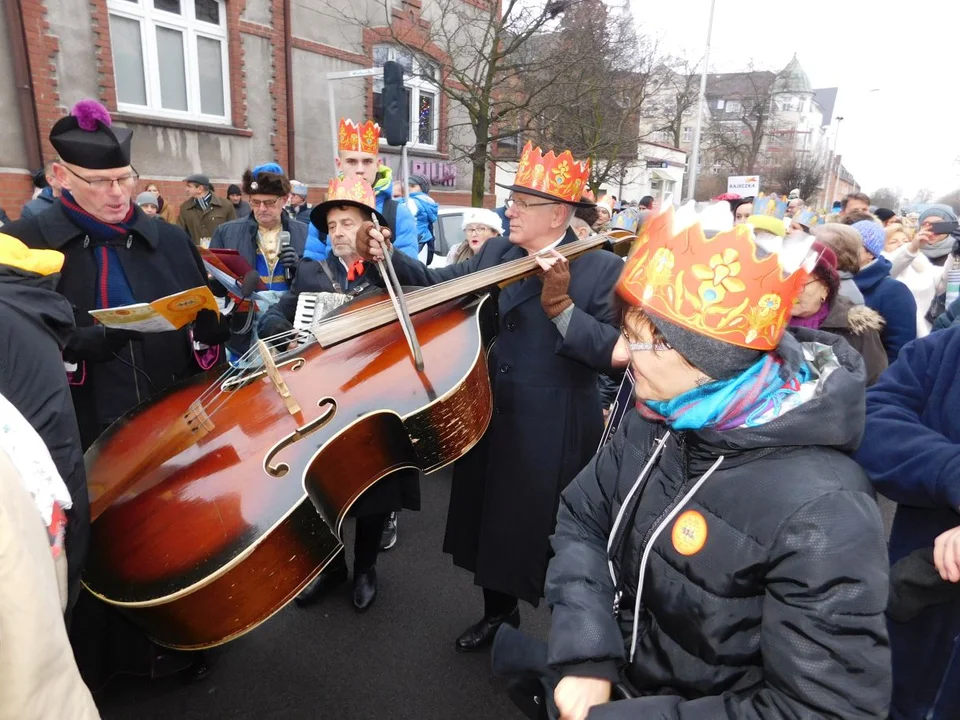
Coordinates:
758 554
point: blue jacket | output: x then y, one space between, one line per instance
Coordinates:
405 232
893 300
949 317
427 212
43 201
911 451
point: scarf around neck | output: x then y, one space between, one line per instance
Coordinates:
732 403
813 322
939 249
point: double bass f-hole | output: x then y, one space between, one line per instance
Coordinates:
281 469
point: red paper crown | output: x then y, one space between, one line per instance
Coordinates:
359 138
716 287
557 176
354 189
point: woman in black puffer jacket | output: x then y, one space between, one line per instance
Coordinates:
722 555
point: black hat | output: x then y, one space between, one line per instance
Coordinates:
233 190
884 214
420 180
261 182
40 179
86 139
198 179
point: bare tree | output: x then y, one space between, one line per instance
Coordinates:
886 198
487 54
952 199
680 91
595 112
924 195
800 171
735 139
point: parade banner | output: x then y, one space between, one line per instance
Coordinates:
744 185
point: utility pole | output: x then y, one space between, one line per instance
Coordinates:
695 159
828 201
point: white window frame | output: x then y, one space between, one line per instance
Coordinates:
415 82
686 135
149 18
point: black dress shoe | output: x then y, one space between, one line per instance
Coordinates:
364 589
198 670
479 635
331 577
389 538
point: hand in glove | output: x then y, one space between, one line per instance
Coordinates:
96 343
210 328
288 257
556 282
369 241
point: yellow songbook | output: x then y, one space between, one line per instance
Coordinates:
168 313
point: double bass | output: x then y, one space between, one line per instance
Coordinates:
216 502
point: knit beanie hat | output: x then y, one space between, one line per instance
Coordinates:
147 198
872 235
233 190
717 359
884 214
422 181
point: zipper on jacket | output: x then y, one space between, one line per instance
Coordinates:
662 521
932 712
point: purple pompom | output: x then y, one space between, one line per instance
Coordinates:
87 112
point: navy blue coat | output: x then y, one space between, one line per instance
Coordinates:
547 417
893 300
911 451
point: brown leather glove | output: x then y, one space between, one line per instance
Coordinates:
364 241
554 297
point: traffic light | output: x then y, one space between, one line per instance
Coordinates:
396 117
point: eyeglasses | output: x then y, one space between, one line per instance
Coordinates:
523 205
265 203
124 182
474 230
645 346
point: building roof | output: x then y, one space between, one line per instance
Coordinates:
735 86
826 98
792 79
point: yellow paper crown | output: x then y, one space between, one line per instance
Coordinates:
716 287
354 189
363 137
558 176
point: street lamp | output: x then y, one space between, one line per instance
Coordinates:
695 159
828 201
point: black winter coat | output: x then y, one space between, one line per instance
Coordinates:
36 324
763 591
241 235
547 417
159 259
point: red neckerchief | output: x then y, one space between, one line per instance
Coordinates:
355 271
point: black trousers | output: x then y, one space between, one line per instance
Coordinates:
496 603
366 541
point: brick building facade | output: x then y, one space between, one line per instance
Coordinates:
212 86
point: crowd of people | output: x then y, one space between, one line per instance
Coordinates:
719 553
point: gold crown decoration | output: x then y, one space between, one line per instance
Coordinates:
724 287
355 189
558 176
359 137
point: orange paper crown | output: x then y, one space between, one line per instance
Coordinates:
558 176
716 287
354 189
359 137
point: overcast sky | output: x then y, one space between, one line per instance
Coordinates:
907 134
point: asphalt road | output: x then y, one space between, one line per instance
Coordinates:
397 661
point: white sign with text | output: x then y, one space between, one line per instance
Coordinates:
744 185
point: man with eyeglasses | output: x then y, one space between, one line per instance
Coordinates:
203 212
115 255
257 238
557 332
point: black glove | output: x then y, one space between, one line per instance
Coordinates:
96 343
288 257
210 328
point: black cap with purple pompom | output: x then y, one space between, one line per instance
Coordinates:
85 138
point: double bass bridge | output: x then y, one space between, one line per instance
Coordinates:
280 469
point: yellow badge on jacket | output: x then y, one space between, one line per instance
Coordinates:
689 533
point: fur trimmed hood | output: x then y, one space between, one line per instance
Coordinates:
857 319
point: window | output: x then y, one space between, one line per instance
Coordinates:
661 136
720 104
423 95
716 168
734 106
687 134
170 58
